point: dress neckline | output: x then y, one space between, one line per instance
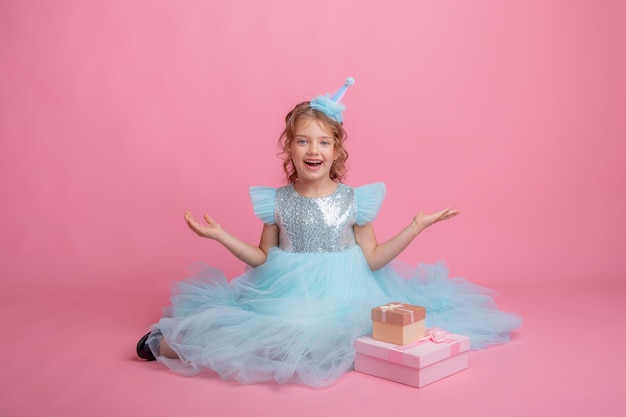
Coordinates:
293 187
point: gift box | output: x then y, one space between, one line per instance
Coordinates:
417 364
398 323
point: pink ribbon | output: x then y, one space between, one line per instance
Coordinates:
435 335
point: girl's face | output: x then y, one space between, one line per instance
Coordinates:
312 151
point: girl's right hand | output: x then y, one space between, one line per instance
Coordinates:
211 230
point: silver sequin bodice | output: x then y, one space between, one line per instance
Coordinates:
315 225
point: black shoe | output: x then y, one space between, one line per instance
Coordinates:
143 351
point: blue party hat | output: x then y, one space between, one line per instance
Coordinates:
330 104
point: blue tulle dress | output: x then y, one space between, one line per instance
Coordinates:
294 318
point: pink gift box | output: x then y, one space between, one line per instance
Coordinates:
416 364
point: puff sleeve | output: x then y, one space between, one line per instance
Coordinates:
263 199
369 199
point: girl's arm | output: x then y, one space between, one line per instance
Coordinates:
380 254
251 255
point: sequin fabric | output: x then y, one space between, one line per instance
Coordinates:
315 225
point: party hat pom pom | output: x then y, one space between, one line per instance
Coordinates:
349 81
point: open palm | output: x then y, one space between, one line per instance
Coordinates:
211 229
424 220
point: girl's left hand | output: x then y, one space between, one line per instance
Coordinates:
424 220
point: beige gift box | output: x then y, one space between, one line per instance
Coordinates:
398 323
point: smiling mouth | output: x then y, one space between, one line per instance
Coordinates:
313 164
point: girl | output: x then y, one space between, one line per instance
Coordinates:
315 275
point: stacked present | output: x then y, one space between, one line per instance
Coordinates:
398 323
402 350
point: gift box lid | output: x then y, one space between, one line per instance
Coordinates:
418 354
398 314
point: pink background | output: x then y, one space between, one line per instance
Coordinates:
117 116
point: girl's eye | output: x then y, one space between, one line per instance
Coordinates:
301 141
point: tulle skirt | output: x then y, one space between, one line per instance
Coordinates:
294 318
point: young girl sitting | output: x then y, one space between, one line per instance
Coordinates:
315 275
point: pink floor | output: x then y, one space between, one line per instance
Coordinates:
75 357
